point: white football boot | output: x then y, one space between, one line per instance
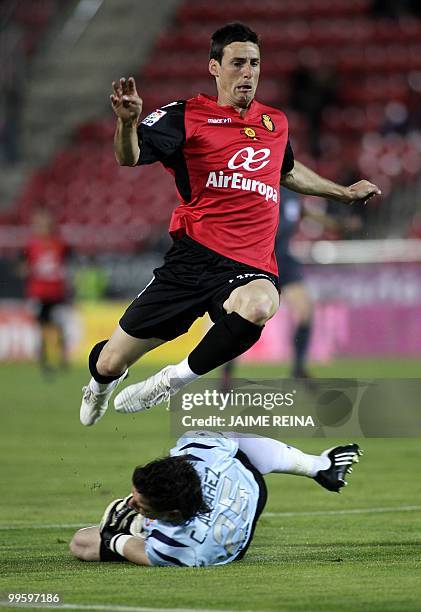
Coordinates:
150 392
94 405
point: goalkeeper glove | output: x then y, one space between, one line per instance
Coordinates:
117 519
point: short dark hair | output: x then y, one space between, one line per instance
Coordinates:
229 33
171 483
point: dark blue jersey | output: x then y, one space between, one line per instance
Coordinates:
289 217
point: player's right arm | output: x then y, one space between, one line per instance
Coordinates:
134 550
127 106
304 180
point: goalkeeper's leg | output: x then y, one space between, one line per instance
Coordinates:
328 469
269 455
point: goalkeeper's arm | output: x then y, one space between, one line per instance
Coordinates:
130 547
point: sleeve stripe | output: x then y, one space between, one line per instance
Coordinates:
193 457
168 559
288 161
196 445
158 535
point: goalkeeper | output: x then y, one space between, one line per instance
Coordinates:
199 506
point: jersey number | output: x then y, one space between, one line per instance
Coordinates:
223 525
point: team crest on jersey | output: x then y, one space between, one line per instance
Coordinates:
268 123
154 117
249 132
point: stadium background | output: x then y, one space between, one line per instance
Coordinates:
348 75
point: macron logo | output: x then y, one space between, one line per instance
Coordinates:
221 120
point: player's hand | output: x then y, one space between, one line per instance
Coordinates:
118 516
126 102
361 191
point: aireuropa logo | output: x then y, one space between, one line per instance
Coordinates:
249 159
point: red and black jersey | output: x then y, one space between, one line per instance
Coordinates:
46 259
227 170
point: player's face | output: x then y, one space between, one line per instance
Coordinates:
42 223
237 75
139 503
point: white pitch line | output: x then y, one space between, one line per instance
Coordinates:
265 514
108 607
48 526
341 512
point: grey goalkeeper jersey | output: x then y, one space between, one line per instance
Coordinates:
232 492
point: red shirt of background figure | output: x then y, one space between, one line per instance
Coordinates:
46 257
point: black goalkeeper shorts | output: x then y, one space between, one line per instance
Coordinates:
193 280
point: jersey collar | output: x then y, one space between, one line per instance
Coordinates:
212 101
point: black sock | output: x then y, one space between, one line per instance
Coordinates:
93 358
301 343
231 336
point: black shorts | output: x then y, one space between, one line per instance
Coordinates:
261 502
44 310
193 280
290 270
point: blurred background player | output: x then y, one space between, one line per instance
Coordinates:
199 506
294 291
291 280
44 266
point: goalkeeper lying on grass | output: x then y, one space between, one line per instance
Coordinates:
200 505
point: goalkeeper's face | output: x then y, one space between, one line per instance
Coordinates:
141 504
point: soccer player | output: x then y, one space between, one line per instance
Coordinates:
227 155
200 505
46 287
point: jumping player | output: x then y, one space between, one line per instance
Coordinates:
227 155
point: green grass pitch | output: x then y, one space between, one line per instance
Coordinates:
313 550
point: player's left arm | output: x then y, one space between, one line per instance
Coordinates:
130 547
303 180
